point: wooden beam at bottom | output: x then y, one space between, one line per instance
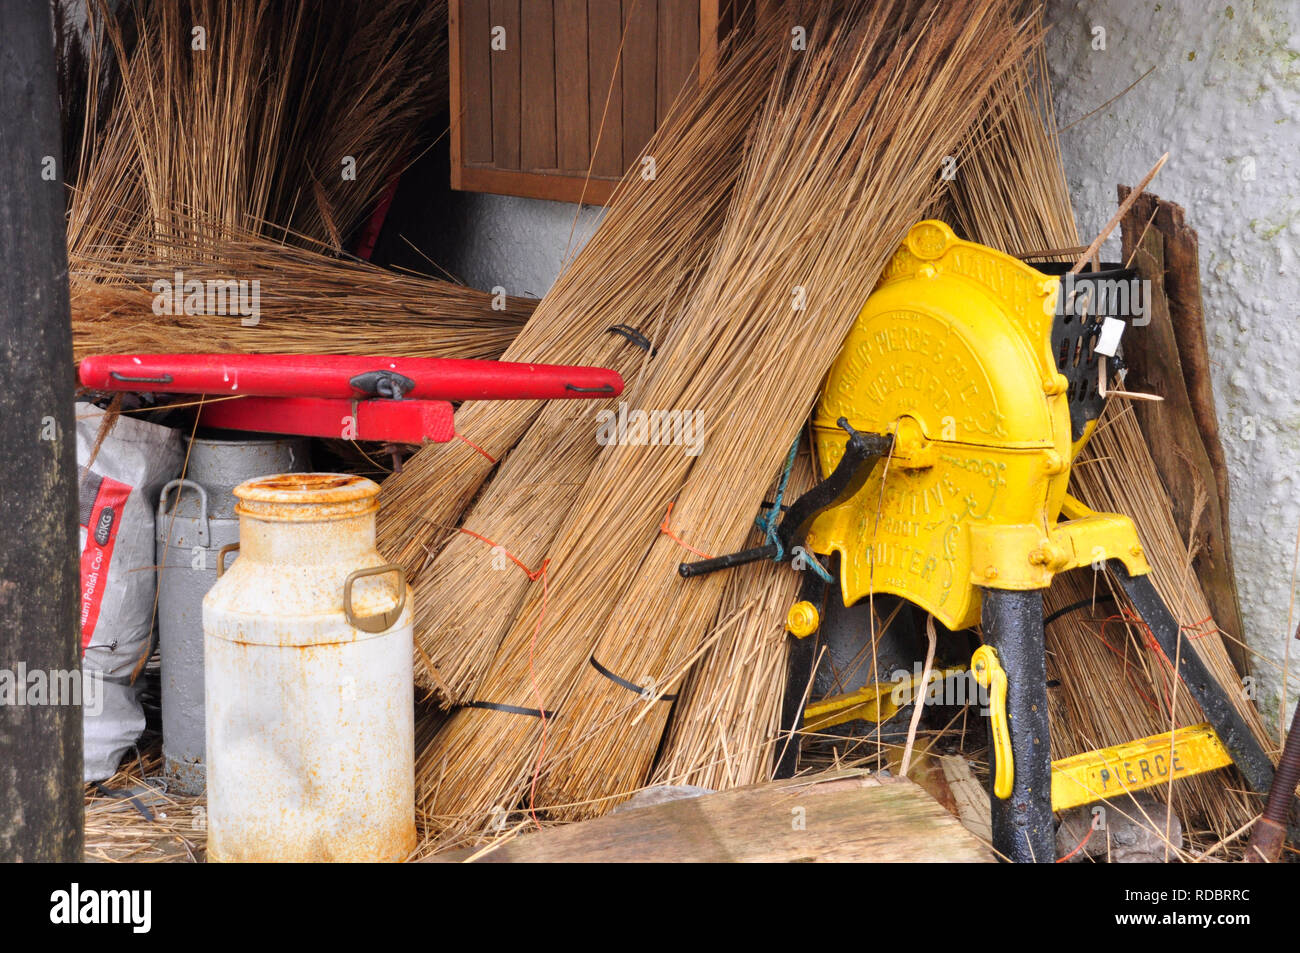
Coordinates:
842 817
534 185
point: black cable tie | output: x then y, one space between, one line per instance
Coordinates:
127 795
602 389
630 686
510 709
634 337
1104 597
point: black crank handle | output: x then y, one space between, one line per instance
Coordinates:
860 453
705 566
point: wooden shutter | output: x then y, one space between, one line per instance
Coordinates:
540 92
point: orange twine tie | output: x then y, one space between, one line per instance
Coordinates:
533 575
667 530
463 439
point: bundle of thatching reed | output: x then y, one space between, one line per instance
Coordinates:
1009 185
253 115
635 272
101 162
840 164
727 716
848 224
1114 685
244 142
308 300
467 596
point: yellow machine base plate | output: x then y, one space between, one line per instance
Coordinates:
1145 763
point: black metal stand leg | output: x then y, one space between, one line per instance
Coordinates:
1227 722
799 672
1023 830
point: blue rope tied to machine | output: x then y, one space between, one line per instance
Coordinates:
767 524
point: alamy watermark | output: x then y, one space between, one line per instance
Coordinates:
133 908
650 428
21 686
948 688
214 296
1085 296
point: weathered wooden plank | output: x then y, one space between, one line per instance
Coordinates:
1183 292
474 83
839 818
640 86
506 110
969 795
455 95
605 86
572 109
679 51
1181 430
537 147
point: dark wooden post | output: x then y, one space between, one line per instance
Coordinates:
41 813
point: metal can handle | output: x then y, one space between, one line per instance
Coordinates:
203 504
385 620
221 557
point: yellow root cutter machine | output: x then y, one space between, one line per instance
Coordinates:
947 427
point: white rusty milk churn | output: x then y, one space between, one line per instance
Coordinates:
310 698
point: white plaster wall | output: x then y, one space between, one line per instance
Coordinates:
514 243
1224 100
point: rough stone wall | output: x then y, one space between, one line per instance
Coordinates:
1224 100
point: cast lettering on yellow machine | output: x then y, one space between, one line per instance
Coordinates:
952 355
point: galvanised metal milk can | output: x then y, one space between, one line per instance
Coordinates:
195 520
310 699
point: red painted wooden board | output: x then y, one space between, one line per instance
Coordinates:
394 421
317 375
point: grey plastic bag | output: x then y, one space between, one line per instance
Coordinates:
118 493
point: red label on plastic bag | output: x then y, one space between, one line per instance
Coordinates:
101 533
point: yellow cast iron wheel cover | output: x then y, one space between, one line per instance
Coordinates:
951 354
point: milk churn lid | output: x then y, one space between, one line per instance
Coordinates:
306 496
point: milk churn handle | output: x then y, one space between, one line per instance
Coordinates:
221 557
385 620
203 504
